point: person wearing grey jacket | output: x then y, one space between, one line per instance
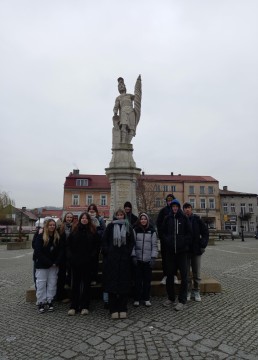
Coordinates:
144 254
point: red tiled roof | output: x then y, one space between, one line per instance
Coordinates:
179 178
95 181
236 193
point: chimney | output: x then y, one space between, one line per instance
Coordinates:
76 171
225 188
24 208
171 173
143 173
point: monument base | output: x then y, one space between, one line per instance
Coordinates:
122 174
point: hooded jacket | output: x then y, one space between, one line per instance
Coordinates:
145 243
177 232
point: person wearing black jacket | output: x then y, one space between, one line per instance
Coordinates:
177 239
131 218
82 248
48 254
200 239
165 211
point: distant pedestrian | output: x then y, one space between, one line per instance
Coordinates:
82 244
177 238
144 254
200 239
48 255
118 243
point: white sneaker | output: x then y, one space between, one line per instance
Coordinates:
179 307
164 280
136 303
176 281
147 303
71 312
197 296
84 312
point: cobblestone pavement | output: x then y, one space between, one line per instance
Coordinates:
222 326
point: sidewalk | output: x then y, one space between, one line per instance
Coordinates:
222 326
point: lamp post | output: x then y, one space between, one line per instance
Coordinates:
242 226
20 227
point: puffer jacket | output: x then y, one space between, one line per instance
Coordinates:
145 244
177 233
200 235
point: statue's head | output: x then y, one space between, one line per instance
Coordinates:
121 85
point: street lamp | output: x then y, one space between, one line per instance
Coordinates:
242 226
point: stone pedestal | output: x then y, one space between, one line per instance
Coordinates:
122 174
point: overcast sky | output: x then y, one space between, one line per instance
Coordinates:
59 64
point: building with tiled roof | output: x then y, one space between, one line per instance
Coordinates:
202 192
238 209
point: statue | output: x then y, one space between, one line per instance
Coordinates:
128 107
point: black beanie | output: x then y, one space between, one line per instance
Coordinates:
128 204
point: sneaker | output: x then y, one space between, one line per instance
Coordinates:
176 281
164 280
93 283
84 312
115 316
168 303
50 307
123 315
136 303
71 312
179 306
147 303
197 296
189 296
41 308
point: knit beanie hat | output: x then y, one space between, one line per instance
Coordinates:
128 204
170 196
175 202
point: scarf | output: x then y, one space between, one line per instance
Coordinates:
119 234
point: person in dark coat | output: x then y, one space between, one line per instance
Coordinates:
117 246
200 239
64 274
82 244
131 218
177 238
48 254
165 211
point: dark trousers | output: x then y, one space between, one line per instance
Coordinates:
95 267
177 262
142 281
117 302
60 291
163 257
81 278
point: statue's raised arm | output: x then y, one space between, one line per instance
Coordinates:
127 112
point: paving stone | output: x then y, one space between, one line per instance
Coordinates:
227 349
68 354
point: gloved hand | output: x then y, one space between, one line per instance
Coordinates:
152 263
134 260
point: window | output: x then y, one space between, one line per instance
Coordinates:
89 199
75 200
232 208
192 202
202 204
210 190
157 187
202 190
158 202
242 209
211 203
251 210
225 208
81 182
103 200
251 224
173 188
165 188
191 189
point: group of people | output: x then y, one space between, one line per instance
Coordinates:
129 247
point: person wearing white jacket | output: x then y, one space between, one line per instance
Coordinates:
144 255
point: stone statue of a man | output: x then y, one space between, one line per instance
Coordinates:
127 111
